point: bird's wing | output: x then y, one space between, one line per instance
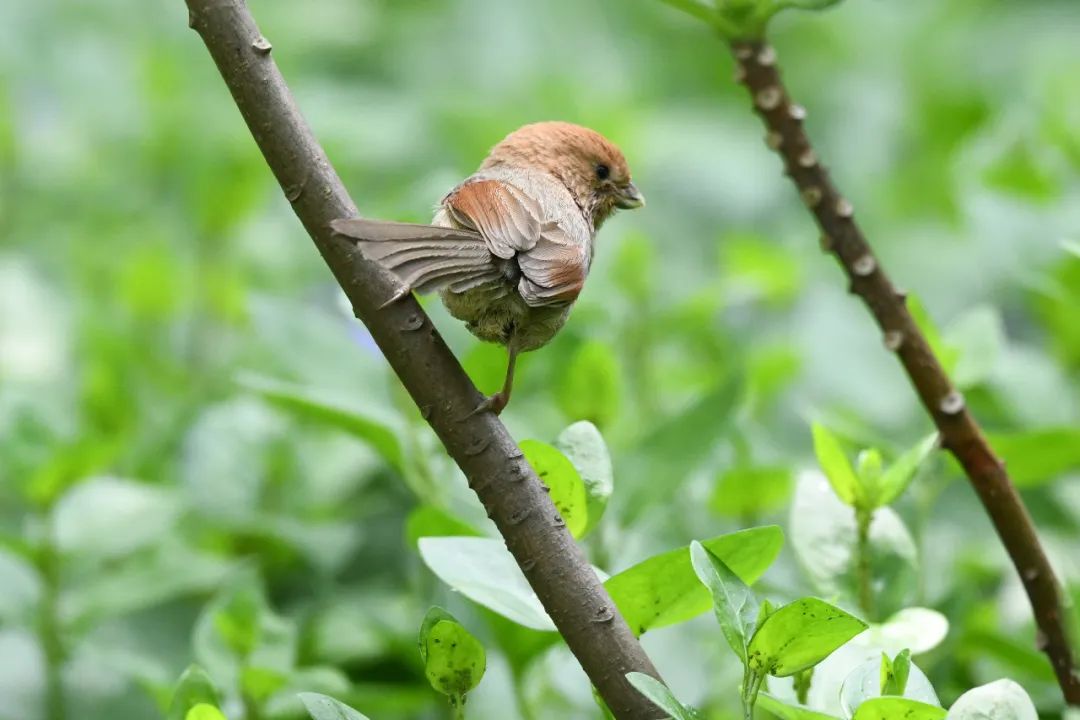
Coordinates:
553 266
424 257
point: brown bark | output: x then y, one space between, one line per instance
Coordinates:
496 470
960 434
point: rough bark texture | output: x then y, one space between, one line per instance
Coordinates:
496 470
960 434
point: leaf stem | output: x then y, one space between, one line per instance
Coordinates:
48 562
863 565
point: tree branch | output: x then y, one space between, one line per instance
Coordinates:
960 434
496 470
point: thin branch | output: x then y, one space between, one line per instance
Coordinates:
494 465
960 434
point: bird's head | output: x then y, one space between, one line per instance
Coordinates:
591 167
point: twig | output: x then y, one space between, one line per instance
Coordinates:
960 434
496 470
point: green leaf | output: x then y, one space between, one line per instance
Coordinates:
454 660
323 707
735 604
899 475
259 683
430 521
1036 457
868 468
979 336
754 269
660 696
744 491
202 711
894 673
664 590
947 355
835 465
868 680
584 447
800 635
562 479
894 708
589 386
1000 700
332 412
192 689
483 570
789 712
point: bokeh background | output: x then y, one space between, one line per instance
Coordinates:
185 399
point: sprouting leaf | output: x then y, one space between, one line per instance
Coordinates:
323 707
590 387
562 479
868 468
894 673
898 476
800 635
868 680
192 689
835 465
785 711
735 604
584 447
660 696
1000 700
664 590
892 708
454 660
483 570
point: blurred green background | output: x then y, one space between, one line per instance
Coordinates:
185 398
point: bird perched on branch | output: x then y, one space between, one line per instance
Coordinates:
510 247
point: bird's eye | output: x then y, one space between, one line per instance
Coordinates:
603 171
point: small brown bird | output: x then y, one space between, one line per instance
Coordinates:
510 247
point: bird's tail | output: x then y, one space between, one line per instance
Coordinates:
425 258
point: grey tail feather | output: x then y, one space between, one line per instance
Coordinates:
425 258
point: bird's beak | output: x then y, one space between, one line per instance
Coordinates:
629 197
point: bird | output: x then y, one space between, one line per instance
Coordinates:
510 247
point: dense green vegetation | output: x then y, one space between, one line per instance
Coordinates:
204 459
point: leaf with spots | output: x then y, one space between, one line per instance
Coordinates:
562 479
664 590
454 660
800 635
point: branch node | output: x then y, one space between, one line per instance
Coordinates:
808 158
894 340
528 564
520 516
864 266
767 56
1031 573
478 446
744 52
774 140
797 112
739 75
604 614
953 403
844 208
558 521
261 45
826 242
811 196
425 412
769 98
413 323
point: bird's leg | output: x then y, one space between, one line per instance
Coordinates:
497 402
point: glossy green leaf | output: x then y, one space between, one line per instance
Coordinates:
784 711
660 696
202 711
192 689
590 386
1036 457
584 447
454 660
834 463
898 476
800 635
562 479
483 570
895 672
323 707
664 589
894 708
1000 700
734 602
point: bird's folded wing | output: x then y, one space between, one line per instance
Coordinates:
553 266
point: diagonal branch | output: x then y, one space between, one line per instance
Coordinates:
496 470
960 434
